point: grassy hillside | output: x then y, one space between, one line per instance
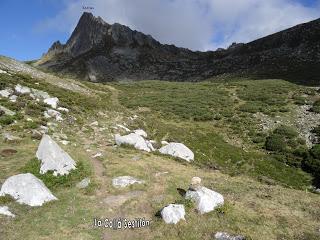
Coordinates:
266 197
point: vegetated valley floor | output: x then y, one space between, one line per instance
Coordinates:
225 123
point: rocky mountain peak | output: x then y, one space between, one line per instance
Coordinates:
99 51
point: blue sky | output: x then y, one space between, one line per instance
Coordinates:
28 28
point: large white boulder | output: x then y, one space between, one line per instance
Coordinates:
134 140
173 213
4 210
205 199
22 89
53 102
124 181
141 132
53 158
27 189
178 150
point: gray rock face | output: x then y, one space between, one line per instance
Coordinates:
98 51
226 236
125 181
173 213
53 158
27 189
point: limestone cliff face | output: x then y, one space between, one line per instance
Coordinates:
98 51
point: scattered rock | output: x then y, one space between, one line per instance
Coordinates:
178 150
53 102
134 140
10 138
36 134
95 123
27 189
124 181
64 142
53 158
195 183
173 213
13 98
123 127
99 154
141 132
4 210
22 89
40 94
226 236
7 111
62 109
205 199
6 92
50 113
84 183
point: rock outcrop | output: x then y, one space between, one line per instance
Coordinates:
99 52
27 189
54 158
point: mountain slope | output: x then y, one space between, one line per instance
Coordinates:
98 51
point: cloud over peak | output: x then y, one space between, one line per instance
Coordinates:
194 24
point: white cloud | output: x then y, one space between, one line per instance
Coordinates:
195 24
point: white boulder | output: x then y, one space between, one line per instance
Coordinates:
53 158
173 213
4 210
6 92
2 71
53 102
22 89
27 189
205 199
178 150
134 140
125 181
141 132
